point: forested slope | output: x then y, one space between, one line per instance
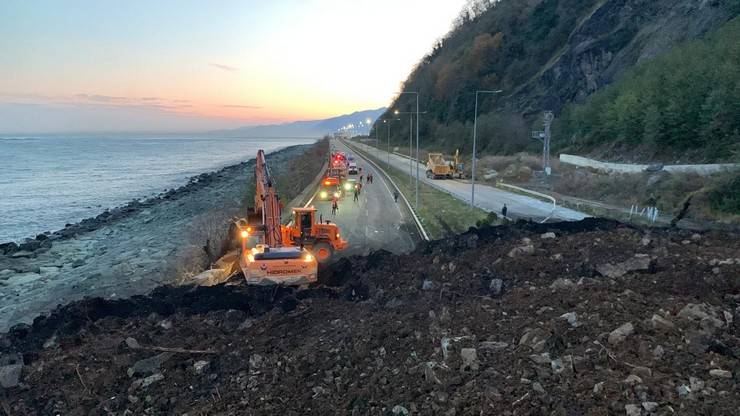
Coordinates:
543 54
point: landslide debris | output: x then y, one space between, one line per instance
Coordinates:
493 321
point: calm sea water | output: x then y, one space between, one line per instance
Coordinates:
46 182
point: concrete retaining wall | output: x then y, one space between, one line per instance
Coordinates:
630 168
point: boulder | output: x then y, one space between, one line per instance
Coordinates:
660 323
522 250
572 319
211 277
562 284
469 359
632 410
146 382
11 367
8 248
717 373
639 263
620 334
649 406
201 366
535 339
496 287
149 365
705 315
399 410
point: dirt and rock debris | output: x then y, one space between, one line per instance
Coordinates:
586 318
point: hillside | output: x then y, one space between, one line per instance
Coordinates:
308 128
543 54
684 103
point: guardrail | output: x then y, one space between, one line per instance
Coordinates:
422 231
528 191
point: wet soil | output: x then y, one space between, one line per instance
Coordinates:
509 320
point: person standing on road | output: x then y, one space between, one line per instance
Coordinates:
395 196
504 210
334 206
359 188
357 194
360 178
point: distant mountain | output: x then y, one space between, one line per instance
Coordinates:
310 128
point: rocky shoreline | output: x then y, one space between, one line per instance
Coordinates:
126 250
45 240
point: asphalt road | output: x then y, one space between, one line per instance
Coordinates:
375 221
487 197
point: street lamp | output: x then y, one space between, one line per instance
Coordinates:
388 142
475 134
416 93
411 132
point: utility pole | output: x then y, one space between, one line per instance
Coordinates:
411 133
546 151
416 94
545 136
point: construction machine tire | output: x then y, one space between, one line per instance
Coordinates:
323 252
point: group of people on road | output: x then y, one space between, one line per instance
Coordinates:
357 191
369 177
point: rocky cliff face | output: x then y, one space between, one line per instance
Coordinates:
546 53
615 36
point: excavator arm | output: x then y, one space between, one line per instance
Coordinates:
266 202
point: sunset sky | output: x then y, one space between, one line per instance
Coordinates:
194 65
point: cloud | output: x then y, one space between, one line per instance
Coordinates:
222 67
102 98
250 107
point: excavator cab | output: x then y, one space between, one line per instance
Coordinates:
320 239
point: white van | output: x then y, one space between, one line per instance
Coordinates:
352 168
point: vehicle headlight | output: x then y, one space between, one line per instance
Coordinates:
347 186
308 258
323 194
336 194
245 234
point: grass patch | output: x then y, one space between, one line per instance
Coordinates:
440 213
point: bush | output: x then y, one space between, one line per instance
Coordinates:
725 197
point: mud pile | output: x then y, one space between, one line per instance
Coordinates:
587 318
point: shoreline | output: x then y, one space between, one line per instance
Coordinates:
129 250
110 215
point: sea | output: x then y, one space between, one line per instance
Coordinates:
49 181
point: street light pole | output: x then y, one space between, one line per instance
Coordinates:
416 204
388 141
411 135
475 136
388 148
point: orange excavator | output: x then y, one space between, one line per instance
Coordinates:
273 253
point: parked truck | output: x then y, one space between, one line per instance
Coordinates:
439 168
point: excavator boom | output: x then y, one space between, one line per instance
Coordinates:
270 261
267 202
